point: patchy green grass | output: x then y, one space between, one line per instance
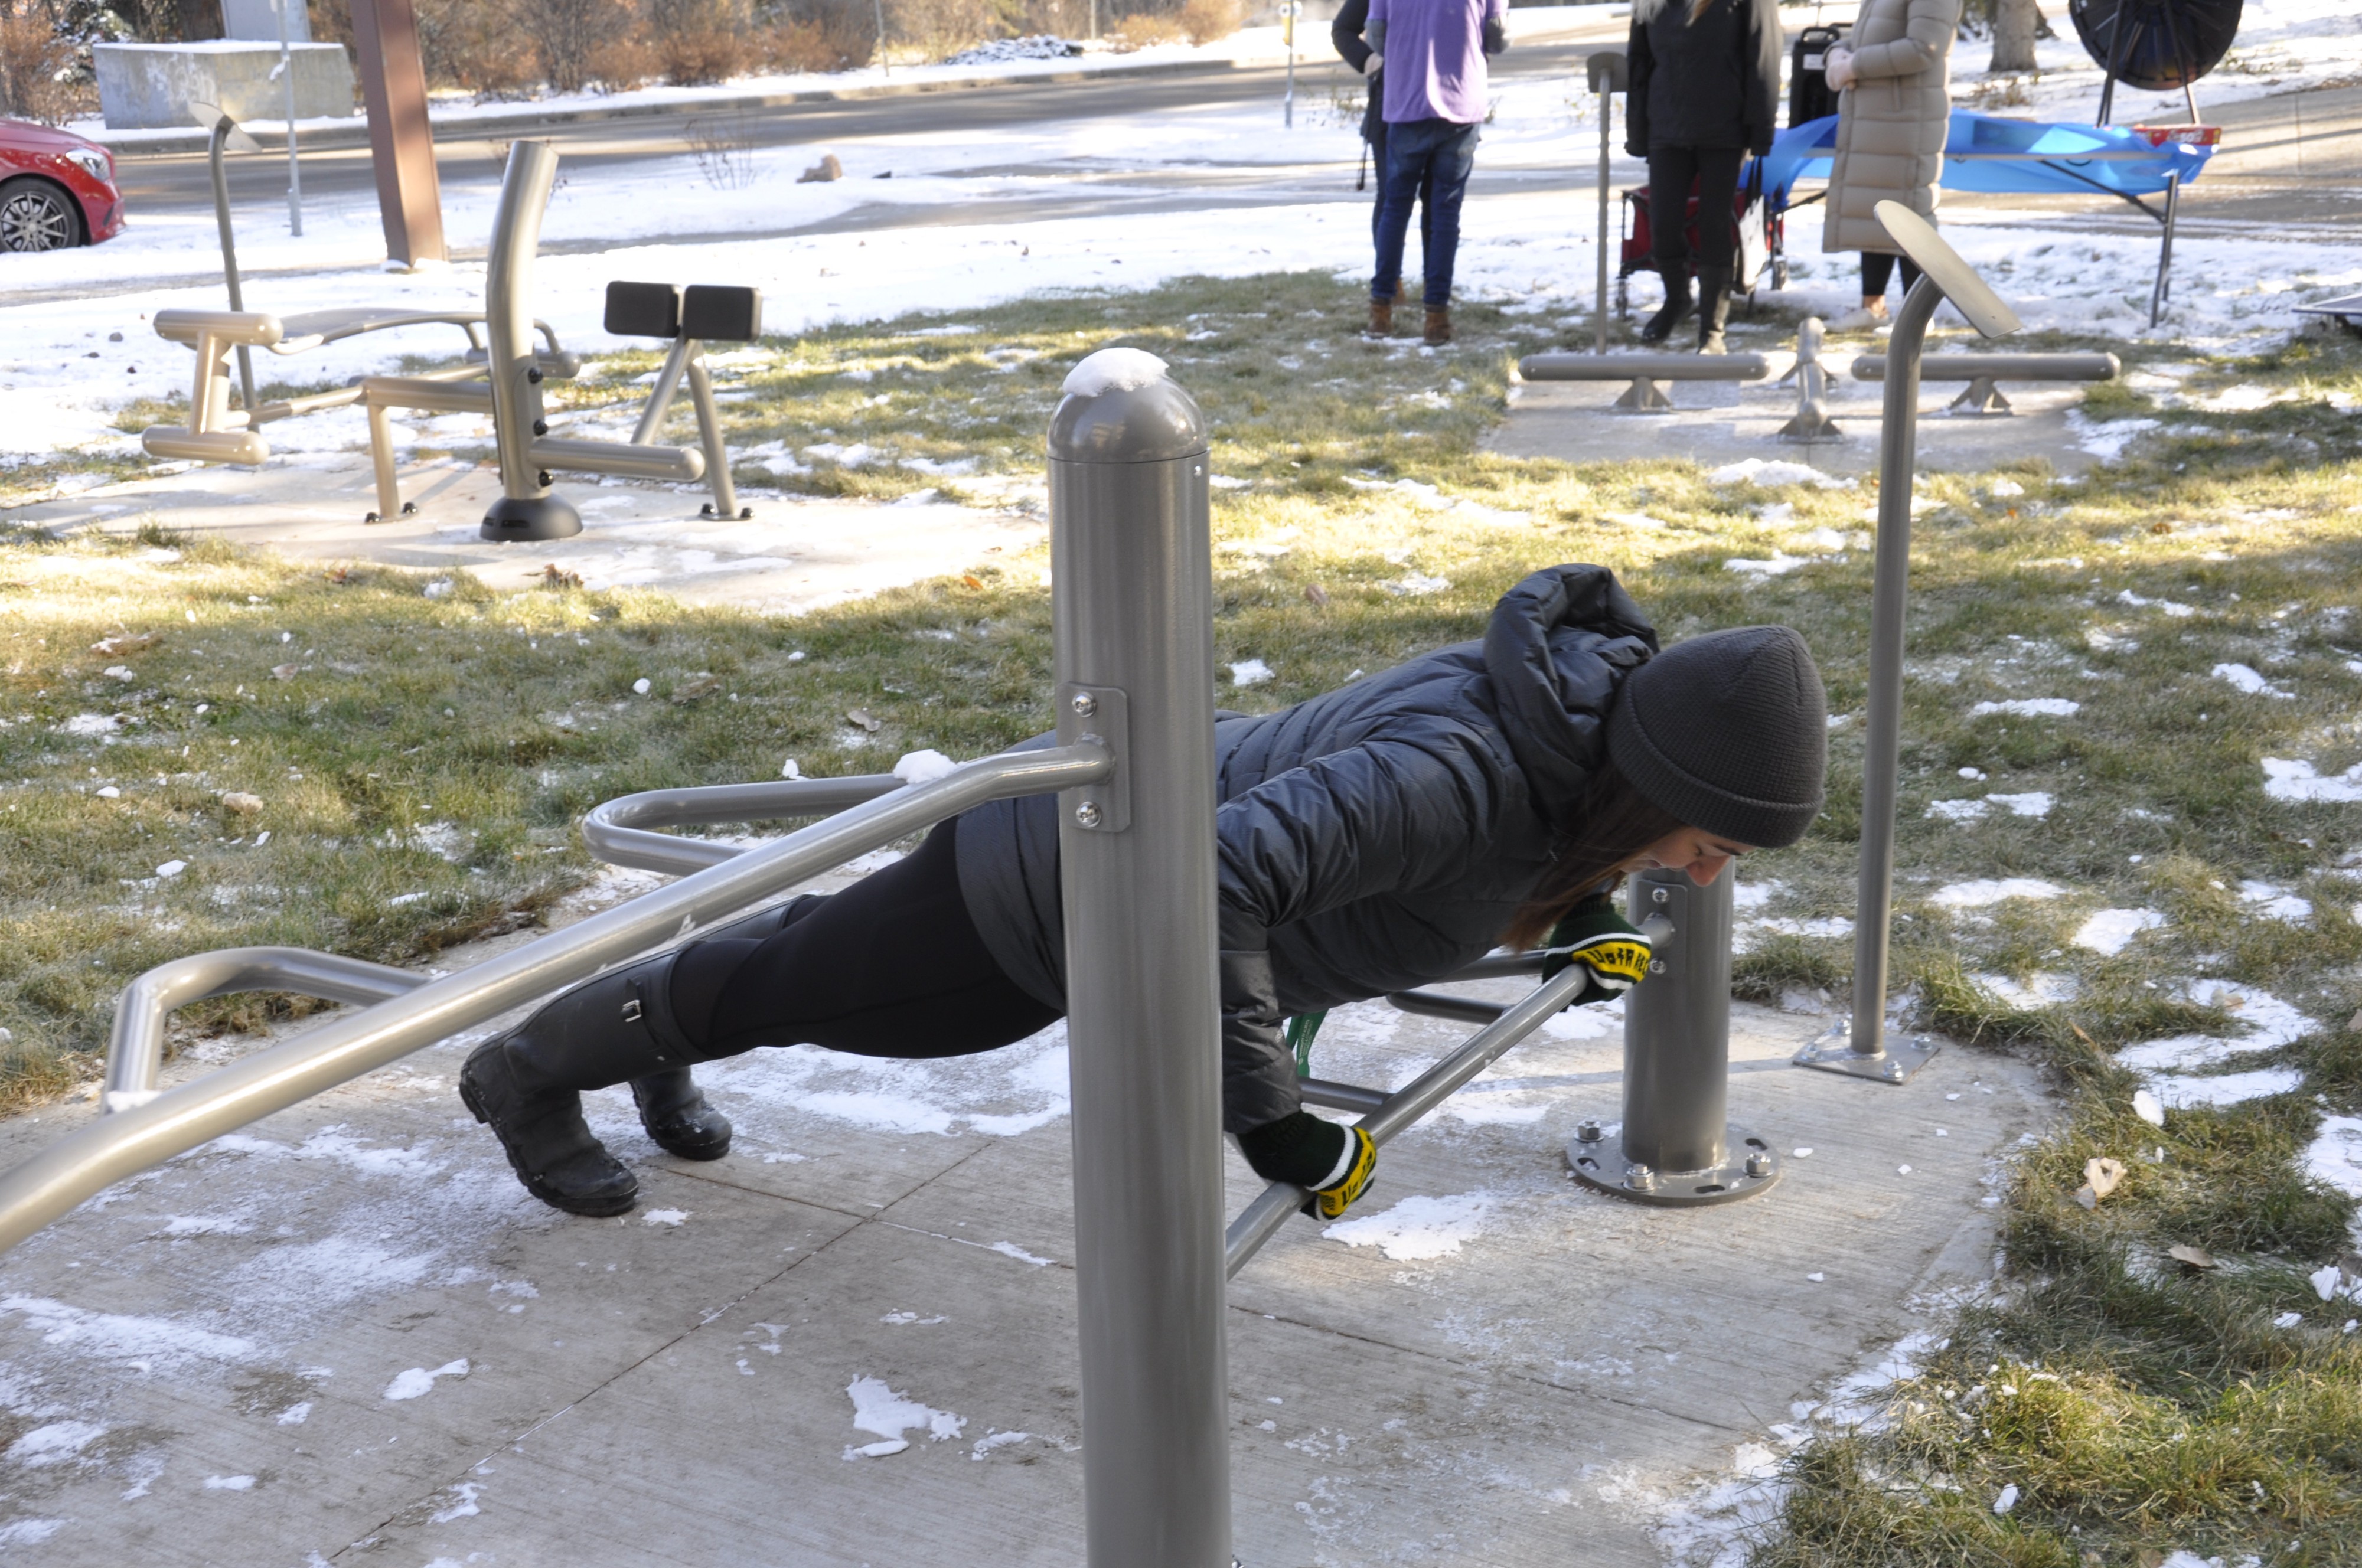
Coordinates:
438 750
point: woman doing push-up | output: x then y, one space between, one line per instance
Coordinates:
1369 840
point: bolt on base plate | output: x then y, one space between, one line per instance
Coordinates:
1749 1168
1833 1051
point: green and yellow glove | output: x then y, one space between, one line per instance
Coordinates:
1594 935
1333 1163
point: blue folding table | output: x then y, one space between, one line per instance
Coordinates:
2022 157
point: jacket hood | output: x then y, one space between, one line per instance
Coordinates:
1560 646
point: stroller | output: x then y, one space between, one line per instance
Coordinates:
1762 238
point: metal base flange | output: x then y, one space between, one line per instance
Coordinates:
1904 1055
1750 1168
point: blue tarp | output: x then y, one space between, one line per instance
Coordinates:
2047 159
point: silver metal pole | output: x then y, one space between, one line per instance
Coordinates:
527 509
1133 601
709 435
1862 1049
1288 23
2162 290
294 172
1678 1146
86 1162
222 129
1608 73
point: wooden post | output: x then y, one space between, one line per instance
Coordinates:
401 143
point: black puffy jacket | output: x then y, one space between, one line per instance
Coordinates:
1712 82
1369 839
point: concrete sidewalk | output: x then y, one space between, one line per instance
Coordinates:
797 552
347 1335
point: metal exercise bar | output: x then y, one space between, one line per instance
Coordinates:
85 1162
1644 372
1132 602
135 1049
1859 1047
615 831
1677 1147
1608 73
1982 371
1260 1220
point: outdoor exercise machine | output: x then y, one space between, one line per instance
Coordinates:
501 374
1861 1047
1643 372
1610 74
1982 372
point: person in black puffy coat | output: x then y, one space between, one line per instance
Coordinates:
1704 91
1375 838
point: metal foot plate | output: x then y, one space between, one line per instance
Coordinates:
1904 1055
1748 1168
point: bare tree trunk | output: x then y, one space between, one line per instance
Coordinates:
2015 24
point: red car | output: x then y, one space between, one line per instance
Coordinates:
56 189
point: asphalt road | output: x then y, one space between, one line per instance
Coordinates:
160 182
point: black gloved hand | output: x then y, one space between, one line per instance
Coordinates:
1497 35
1331 1162
1594 935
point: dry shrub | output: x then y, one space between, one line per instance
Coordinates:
1206 20
478 45
33 59
938 27
815 45
623 63
1146 28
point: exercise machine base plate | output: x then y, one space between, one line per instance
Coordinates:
1748 1169
1904 1055
541 517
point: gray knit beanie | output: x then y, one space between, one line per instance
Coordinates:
1728 731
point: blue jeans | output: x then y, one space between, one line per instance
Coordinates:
1438 155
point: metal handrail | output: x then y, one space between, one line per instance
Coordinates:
135 1051
1262 1218
84 1162
614 831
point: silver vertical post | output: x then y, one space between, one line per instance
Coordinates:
1678 1147
527 509
1607 72
1133 597
1862 1048
1287 13
224 127
294 172
2162 290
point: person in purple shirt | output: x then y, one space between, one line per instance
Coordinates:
1435 83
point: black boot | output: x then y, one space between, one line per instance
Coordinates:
527 1086
674 1111
1714 308
1677 308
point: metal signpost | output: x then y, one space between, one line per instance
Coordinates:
1860 1047
1288 11
287 79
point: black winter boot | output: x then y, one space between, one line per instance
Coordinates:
527 1086
1714 308
1675 310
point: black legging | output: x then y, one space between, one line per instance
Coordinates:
1672 171
891 966
1878 270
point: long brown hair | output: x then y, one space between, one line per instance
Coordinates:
1613 823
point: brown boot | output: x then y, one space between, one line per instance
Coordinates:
1438 324
1382 318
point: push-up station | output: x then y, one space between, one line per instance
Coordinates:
1131 765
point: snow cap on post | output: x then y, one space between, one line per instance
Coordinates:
1120 408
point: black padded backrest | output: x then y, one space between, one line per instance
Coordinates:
721 313
643 310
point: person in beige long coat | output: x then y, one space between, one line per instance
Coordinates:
1894 108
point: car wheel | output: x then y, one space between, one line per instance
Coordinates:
36 216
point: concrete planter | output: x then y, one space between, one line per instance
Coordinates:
143 86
